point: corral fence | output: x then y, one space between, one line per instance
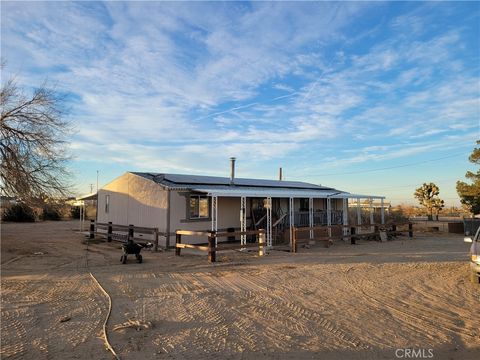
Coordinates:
123 233
328 233
450 224
301 235
214 246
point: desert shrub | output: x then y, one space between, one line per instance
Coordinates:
50 212
19 213
396 216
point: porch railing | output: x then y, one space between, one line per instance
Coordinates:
301 218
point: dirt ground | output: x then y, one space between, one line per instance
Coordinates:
366 301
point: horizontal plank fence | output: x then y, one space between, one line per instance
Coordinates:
123 233
213 246
328 233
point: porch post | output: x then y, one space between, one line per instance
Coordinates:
81 218
382 211
345 215
243 219
214 215
310 216
359 214
83 214
269 222
291 218
371 214
329 216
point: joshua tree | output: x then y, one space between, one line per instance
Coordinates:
427 196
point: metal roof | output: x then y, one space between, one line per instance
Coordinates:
195 180
220 186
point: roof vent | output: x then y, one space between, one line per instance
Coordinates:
232 170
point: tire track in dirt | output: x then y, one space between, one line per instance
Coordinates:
297 320
39 305
280 313
429 324
14 330
441 310
229 312
287 309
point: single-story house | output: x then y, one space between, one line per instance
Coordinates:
173 202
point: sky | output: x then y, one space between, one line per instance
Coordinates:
367 97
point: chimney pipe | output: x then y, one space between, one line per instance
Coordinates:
280 174
232 170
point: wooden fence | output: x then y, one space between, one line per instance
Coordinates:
326 233
123 233
213 246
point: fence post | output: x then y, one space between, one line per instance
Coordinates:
109 232
178 240
92 229
410 230
211 247
352 233
261 242
294 241
155 233
130 232
394 229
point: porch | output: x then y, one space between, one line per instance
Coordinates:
278 211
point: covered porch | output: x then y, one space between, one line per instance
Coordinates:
278 211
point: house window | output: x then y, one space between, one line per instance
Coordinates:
107 204
199 208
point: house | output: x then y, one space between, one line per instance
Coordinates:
172 202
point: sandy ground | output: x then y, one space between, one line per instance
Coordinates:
366 301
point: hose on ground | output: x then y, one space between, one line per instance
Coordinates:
107 343
105 336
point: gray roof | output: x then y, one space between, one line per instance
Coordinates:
193 181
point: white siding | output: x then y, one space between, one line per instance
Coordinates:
134 200
228 216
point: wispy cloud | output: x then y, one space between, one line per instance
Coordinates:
177 86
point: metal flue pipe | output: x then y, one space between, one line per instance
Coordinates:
232 170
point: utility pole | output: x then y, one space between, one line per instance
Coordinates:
97 181
91 188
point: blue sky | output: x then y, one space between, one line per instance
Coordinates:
372 98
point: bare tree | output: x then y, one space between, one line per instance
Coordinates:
32 144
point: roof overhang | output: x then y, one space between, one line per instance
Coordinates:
280 193
92 196
357 196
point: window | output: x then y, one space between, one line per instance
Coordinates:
199 208
107 204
